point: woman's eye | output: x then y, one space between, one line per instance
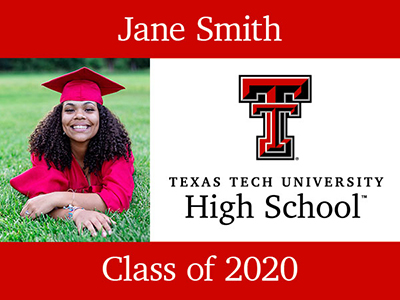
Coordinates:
69 110
89 109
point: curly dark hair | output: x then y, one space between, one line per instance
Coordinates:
111 141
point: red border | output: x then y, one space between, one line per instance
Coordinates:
326 270
309 29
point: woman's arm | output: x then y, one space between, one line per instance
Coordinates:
92 220
84 218
89 201
58 213
46 203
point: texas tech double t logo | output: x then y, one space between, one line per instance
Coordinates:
275 99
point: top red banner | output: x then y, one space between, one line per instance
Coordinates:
206 29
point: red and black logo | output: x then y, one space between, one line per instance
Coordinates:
275 98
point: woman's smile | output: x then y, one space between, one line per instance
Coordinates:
80 128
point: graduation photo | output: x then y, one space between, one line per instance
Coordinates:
75 153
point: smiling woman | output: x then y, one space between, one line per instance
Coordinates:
80 121
82 163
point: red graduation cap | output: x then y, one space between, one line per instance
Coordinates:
83 85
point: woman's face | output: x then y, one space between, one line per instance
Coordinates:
80 120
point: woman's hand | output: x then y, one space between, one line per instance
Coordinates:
92 220
38 205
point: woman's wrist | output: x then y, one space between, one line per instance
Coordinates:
71 210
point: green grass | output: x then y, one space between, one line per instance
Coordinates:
23 103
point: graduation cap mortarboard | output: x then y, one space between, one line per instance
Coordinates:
83 85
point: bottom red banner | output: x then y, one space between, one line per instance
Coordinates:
198 270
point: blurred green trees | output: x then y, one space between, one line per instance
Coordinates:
69 64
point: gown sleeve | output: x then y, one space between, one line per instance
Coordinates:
40 179
117 184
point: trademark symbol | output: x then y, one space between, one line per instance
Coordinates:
364 196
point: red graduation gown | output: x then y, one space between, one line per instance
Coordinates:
114 183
